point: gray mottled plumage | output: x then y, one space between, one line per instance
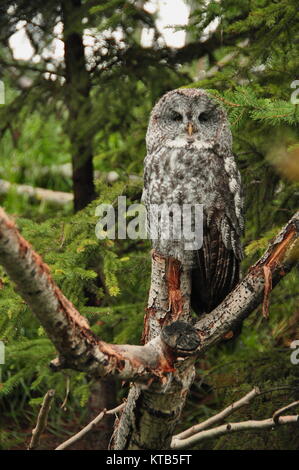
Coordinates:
197 168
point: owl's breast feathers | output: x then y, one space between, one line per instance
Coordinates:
190 175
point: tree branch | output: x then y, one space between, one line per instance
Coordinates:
41 420
219 416
228 428
78 346
23 65
197 433
41 194
89 427
279 412
280 257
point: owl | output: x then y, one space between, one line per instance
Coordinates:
190 162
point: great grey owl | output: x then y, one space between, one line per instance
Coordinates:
190 161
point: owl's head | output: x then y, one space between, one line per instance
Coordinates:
188 117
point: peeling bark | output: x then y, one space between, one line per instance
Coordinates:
169 296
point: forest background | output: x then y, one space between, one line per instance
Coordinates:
76 124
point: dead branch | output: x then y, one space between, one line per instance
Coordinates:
50 196
89 427
279 412
199 432
40 194
219 416
228 428
41 420
63 405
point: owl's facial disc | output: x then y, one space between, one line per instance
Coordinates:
186 118
187 122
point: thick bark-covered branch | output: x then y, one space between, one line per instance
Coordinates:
79 348
150 415
82 350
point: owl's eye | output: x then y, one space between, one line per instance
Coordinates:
176 116
203 117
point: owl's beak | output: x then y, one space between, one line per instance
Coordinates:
190 129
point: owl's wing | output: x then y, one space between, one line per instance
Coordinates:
215 273
217 268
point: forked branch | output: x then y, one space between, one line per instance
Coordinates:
80 349
202 431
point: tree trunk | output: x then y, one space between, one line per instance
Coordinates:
151 413
77 86
77 96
